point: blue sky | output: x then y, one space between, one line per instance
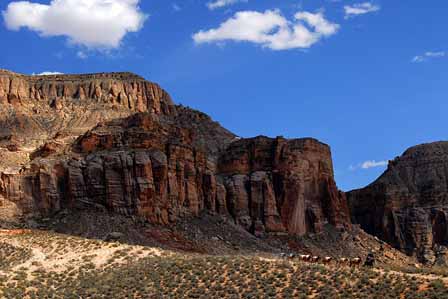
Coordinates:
368 78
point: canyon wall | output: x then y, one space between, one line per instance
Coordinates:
282 185
408 205
34 108
146 157
122 89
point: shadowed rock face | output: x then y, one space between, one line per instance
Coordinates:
281 185
155 160
408 205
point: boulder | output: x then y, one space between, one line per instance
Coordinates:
113 236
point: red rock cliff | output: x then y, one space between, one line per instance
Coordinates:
163 163
34 108
282 185
123 89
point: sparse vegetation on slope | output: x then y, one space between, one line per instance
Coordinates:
11 255
60 266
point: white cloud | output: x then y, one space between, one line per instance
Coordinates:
222 3
429 55
435 54
360 9
47 74
92 23
176 7
368 164
271 29
418 59
373 164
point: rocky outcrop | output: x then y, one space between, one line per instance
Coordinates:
408 205
121 89
164 162
36 108
280 185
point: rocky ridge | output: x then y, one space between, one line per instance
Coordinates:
116 142
408 205
121 89
35 109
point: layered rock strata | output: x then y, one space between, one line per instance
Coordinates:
122 89
149 158
408 205
35 108
281 185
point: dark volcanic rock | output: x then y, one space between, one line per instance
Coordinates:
158 161
408 205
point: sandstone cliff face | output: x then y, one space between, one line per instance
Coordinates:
408 205
280 185
121 89
36 108
161 162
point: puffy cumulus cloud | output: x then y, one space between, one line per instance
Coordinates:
271 29
91 23
360 9
428 55
222 3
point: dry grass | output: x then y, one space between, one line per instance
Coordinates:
59 266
